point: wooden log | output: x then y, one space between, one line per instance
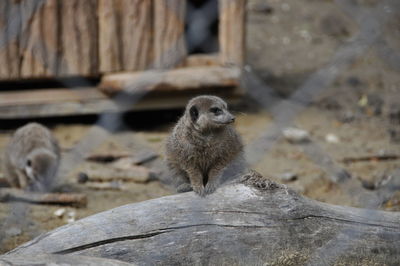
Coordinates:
11 194
169 33
175 79
10 30
107 173
201 60
39 39
79 38
232 31
125 35
253 222
94 103
46 259
105 185
44 96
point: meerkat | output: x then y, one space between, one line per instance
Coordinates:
31 158
204 150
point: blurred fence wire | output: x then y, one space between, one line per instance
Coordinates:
283 110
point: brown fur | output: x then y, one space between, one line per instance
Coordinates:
204 149
31 158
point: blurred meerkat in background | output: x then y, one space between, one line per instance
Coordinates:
204 150
31 158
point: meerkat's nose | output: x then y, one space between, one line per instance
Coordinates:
232 119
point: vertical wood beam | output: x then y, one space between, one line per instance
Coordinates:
232 31
169 33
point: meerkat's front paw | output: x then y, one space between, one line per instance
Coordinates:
210 187
199 189
184 188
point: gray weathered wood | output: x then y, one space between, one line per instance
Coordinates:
254 222
169 33
171 80
10 28
79 38
125 35
232 31
72 260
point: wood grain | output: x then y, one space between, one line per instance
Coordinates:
232 31
125 34
39 39
171 80
252 222
169 33
10 28
78 38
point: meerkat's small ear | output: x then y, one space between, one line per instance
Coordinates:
194 113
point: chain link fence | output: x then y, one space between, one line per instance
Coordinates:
202 36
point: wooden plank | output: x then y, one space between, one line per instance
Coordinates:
251 222
100 105
78 37
10 28
39 39
48 96
171 80
199 60
232 31
125 34
169 33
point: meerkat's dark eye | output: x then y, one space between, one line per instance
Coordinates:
216 110
29 163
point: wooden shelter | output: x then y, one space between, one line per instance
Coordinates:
145 39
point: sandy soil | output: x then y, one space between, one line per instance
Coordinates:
287 41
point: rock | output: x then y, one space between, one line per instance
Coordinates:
287 177
71 216
332 138
13 231
82 178
334 26
59 212
295 135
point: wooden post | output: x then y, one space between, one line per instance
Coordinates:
169 33
10 27
232 31
39 39
125 34
79 38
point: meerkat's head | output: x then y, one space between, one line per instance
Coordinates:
41 167
208 112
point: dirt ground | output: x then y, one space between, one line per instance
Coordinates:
287 41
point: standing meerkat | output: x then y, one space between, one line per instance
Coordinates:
204 149
31 158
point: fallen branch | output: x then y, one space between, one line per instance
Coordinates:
376 158
13 194
253 222
126 173
115 185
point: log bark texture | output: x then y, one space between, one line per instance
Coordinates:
169 33
39 39
78 38
125 34
232 31
252 222
171 80
12 194
10 25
